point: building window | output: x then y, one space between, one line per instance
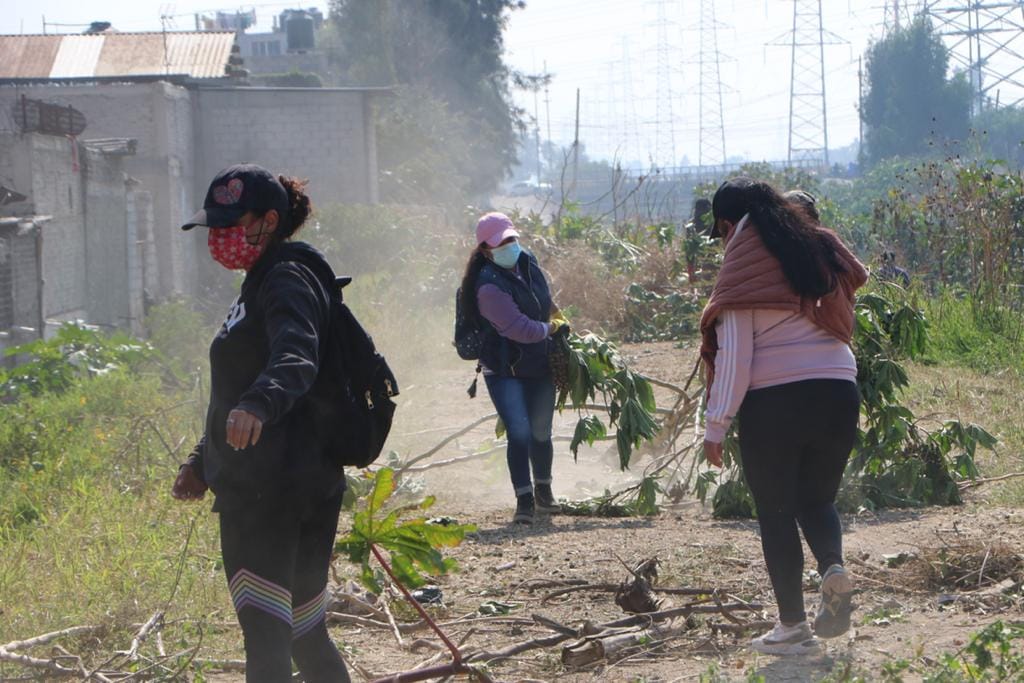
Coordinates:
274 48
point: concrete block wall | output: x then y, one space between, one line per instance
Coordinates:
140 256
26 278
106 241
57 191
159 116
314 133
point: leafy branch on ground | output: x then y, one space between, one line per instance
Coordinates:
412 543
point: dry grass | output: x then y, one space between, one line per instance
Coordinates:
939 393
582 280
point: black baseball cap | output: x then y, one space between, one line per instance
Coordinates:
236 190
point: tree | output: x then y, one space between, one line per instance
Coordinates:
1001 135
445 58
910 103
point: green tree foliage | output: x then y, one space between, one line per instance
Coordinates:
1001 135
958 223
910 103
594 368
452 111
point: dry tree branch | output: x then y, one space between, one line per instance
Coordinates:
154 622
48 637
372 623
391 621
964 485
465 430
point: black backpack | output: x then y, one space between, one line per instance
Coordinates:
468 334
360 411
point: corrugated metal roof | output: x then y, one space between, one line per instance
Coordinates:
27 56
76 57
197 54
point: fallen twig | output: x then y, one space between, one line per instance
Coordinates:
154 622
48 637
988 480
605 587
549 623
372 623
392 623
455 461
444 442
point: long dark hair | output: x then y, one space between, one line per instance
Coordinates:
809 259
467 293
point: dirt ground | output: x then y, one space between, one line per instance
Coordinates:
898 615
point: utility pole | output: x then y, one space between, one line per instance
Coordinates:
547 101
575 148
808 110
536 132
860 101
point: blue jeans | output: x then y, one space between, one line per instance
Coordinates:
526 405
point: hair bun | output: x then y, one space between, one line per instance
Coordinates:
299 204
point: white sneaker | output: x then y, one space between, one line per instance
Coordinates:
833 618
787 640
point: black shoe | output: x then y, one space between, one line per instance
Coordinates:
524 509
545 500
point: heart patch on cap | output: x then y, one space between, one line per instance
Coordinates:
228 194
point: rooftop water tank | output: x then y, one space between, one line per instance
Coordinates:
299 29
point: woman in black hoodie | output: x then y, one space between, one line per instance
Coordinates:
278 492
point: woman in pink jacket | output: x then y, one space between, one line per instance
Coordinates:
776 344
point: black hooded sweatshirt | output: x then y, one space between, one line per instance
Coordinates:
265 360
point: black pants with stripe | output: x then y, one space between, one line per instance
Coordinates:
795 440
277 566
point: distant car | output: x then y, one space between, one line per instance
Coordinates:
527 189
521 189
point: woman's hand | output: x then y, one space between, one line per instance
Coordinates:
243 429
713 453
188 486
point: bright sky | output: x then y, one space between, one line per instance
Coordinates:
583 42
607 49
26 16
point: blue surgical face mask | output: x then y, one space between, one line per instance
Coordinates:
506 255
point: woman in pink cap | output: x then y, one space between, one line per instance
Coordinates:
506 291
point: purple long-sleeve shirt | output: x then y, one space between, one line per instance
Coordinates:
500 309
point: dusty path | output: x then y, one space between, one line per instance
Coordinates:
896 616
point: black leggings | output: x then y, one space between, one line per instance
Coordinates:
795 440
277 565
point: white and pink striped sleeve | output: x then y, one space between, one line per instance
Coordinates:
732 371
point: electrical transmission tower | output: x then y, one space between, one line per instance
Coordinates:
899 14
986 38
664 120
808 114
630 121
711 145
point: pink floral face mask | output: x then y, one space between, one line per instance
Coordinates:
229 247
